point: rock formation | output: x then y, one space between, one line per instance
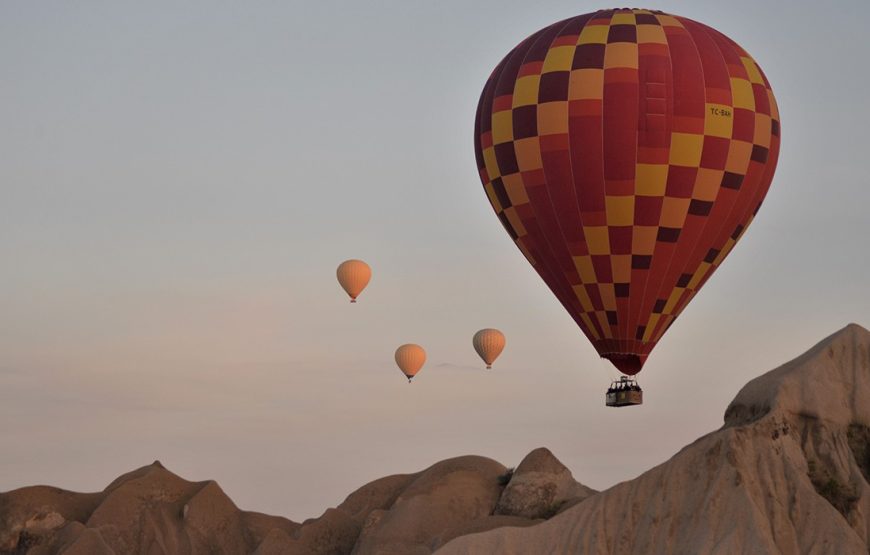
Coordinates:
788 472
151 510
540 487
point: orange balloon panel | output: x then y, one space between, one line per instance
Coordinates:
626 152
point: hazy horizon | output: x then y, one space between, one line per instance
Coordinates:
180 182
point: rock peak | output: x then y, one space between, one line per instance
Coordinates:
540 487
831 380
540 459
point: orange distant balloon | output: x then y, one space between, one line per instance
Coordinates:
489 343
353 276
626 152
410 359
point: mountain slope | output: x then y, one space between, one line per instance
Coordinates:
151 510
787 473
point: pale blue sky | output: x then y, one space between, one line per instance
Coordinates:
178 183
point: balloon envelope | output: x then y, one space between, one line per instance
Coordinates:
353 276
489 343
410 359
625 152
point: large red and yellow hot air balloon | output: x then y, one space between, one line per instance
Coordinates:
625 152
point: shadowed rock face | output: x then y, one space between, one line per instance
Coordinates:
540 487
446 495
151 510
783 475
787 473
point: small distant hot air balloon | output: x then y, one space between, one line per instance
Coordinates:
410 359
489 343
353 276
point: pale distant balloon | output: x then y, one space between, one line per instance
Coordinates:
489 343
410 358
353 276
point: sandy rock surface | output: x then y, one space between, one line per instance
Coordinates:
787 473
539 487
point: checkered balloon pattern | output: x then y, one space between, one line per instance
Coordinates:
626 152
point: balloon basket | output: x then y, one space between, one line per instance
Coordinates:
624 392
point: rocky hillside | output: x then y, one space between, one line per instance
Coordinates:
151 510
787 473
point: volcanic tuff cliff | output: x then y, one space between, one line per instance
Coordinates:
151 510
787 473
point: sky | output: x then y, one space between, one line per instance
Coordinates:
178 183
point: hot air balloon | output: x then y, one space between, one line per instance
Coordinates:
489 343
625 152
353 276
410 359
